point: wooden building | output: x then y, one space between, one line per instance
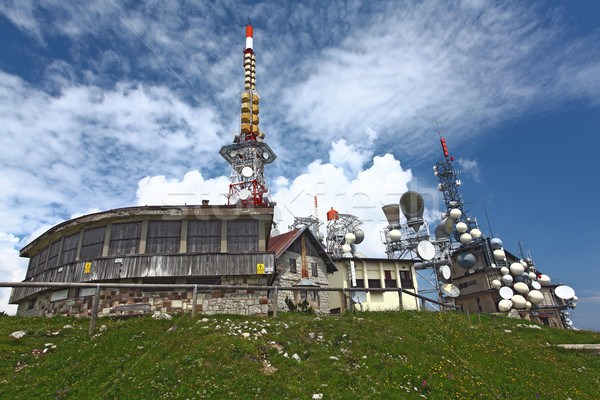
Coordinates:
216 245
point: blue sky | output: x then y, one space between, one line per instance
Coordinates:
109 104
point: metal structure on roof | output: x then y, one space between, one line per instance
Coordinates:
248 154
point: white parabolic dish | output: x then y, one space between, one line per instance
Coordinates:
450 290
247 172
244 194
506 293
445 271
564 292
425 250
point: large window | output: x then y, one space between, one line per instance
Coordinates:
374 284
92 243
315 269
163 237
125 238
242 235
69 249
204 236
42 261
32 265
406 280
53 257
293 268
389 282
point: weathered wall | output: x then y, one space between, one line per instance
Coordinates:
243 302
287 278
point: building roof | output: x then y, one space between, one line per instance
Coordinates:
280 243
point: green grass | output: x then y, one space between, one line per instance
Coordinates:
379 356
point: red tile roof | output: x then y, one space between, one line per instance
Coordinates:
279 243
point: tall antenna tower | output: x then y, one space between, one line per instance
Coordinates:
248 154
448 184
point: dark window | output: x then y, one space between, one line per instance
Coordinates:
406 280
360 283
315 269
53 257
303 294
204 280
42 261
69 249
467 284
293 268
167 282
93 241
389 282
375 283
242 235
204 236
163 237
313 294
32 265
125 238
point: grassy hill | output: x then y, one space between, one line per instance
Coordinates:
355 356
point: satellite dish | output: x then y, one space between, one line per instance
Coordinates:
536 285
444 272
505 305
444 228
466 260
232 153
358 297
233 199
247 172
235 137
475 233
504 270
543 279
532 276
450 290
518 301
360 236
496 243
244 194
395 235
360 255
499 255
392 213
266 155
535 297
506 293
528 305
496 284
517 269
455 213
521 287
425 250
347 249
465 238
413 206
507 279
441 187
461 227
350 237
564 292
274 232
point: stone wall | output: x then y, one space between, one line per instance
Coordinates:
117 302
287 278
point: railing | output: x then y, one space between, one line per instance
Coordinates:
174 287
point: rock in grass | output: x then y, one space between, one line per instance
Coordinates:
67 327
18 334
160 315
296 357
103 328
317 396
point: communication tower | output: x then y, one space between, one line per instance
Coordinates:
248 154
343 234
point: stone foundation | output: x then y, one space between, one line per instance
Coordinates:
118 302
